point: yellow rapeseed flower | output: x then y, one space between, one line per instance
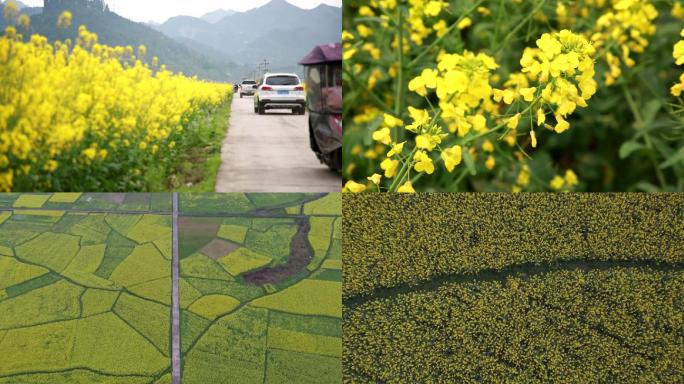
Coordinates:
406 188
423 163
452 157
375 179
64 19
390 167
353 187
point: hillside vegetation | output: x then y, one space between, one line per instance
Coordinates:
278 31
113 29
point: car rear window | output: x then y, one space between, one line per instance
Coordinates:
282 80
249 82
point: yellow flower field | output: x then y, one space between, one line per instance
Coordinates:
80 115
522 95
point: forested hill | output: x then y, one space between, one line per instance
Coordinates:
277 31
112 29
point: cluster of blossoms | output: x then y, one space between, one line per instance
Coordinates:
678 54
417 12
461 83
563 67
428 138
624 29
565 182
417 30
102 105
467 99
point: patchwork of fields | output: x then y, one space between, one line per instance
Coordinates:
513 288
261 293
86 288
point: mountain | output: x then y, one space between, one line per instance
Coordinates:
217 15
23 8
113 29
278 32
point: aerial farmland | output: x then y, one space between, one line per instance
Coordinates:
167 288
506 288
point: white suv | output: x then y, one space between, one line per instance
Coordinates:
247 87
280 91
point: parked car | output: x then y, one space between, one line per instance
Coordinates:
247 87
280 91
323 67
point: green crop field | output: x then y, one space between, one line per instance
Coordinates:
86 288
74 302
258 303
494 288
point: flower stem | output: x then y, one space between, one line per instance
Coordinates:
404 169
647 139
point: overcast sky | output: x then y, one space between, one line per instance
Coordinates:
161 10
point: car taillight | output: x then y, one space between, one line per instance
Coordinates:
266 88
299 88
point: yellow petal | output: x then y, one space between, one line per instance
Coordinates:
406 188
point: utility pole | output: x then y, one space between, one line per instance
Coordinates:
265 64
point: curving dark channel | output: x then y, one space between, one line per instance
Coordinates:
519 270
301 254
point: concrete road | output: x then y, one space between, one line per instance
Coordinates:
175 298
270 153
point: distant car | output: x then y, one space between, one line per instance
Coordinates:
247 87
280 91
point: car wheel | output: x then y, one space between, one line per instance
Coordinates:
241 95
295 111
302 110
262 109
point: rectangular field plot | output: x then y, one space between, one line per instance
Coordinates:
261 289
260 204
84 289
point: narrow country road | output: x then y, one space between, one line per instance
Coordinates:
270 153
175 298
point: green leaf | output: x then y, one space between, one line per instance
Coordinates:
650 111
674 159
645 186
469 162
628 147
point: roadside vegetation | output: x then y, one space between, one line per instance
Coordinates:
82 116
197 169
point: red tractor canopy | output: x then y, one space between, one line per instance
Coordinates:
323 68
324 78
